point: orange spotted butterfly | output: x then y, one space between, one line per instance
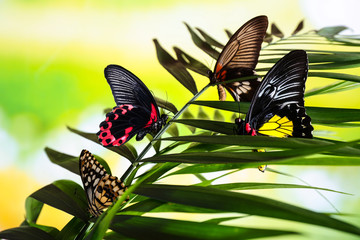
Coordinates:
101 188
277 108
239 58
136 111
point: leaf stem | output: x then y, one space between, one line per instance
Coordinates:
158 135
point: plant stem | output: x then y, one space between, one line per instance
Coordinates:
158 135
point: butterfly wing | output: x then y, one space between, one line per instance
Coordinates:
101 188
239 58
277 108
136 107
128 88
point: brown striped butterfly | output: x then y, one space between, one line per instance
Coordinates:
238 59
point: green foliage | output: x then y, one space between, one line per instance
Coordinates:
210 148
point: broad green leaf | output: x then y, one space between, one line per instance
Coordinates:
350 41
125 150
335 65
276 157
25 232
33 209
333 88
333 115
175 68
204 168
203 147
69 162
339 76
166 105
319 115
276 31
191 63
142 207
209 39
242 203
74 229
299 27
263 141
223 219
332 56
215 126
159 228
64 195
330 32
48 229
323 161
259 185
207 48
172 146
326 60
174 207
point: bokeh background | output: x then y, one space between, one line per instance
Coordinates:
52 56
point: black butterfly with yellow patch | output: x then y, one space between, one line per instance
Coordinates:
277 109
238 59
101 188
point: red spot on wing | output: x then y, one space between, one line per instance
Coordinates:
124 138
218 67
106 138
123 109
153 116
247 128
223 75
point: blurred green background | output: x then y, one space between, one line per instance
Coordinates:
52 56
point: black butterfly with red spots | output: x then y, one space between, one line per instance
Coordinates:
136 111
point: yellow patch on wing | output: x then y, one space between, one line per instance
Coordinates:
277 127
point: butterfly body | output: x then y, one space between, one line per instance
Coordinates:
136 111
277 109
238 59
101 188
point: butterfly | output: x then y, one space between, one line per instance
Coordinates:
136 111
238 59
101 188
277 108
